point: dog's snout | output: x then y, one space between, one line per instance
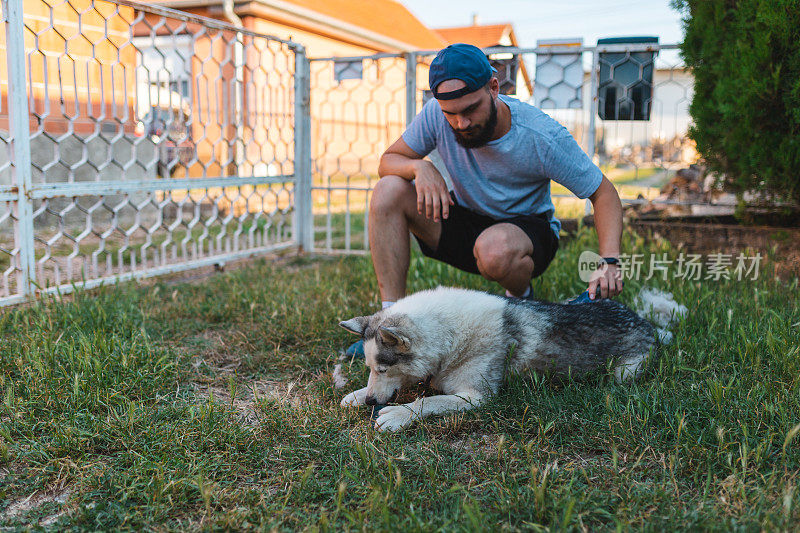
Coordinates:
372 399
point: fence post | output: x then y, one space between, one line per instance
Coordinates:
594 102
21 143
411 87
303 214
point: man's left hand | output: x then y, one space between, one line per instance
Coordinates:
609 279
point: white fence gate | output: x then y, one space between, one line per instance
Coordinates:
137 140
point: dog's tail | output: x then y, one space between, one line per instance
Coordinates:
662 309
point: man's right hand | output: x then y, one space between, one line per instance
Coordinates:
433 198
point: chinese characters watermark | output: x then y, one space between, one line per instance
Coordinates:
690 267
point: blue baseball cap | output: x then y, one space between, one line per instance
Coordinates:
459 62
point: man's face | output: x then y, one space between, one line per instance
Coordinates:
472 117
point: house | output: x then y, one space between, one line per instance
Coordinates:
82 110
98 69
65 64
325 27
357 106
111 73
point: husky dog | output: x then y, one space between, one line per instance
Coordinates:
465 341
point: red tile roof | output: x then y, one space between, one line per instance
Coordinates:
480 36
386 17
485 36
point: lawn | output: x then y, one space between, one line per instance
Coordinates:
178 406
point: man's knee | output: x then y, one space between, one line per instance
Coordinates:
390 194
494 256
497 254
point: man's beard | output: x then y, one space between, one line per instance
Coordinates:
481 134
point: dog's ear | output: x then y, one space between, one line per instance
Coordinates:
356 325
394 337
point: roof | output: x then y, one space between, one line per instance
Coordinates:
386 17
388 22
486 36
480 36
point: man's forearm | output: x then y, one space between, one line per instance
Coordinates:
607 219
398 165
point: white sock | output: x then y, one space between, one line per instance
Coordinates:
384 305
524 294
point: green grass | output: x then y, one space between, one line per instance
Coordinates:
337 236
133 250
210 405
625 175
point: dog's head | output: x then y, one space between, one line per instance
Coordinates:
388 345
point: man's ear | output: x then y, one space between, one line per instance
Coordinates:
494 86
356 325
394 337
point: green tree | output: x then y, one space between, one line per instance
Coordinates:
745 57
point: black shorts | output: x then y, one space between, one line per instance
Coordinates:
461 228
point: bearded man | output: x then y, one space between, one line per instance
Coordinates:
498 221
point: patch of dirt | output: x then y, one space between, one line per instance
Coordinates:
219 374
477 444
247 394
730 494
339 379
22 506
220 350
12 468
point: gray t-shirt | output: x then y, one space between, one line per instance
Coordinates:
511 175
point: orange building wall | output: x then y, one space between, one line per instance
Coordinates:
80 75
91 78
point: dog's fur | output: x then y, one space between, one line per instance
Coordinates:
465 342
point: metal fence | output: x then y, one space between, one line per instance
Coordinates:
360 105
137 140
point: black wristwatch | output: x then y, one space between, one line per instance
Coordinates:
611 260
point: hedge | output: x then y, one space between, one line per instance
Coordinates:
745 57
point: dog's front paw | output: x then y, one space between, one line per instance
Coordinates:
355 398
394 418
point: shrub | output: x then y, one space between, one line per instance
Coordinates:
745 56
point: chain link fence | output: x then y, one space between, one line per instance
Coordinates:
137 140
